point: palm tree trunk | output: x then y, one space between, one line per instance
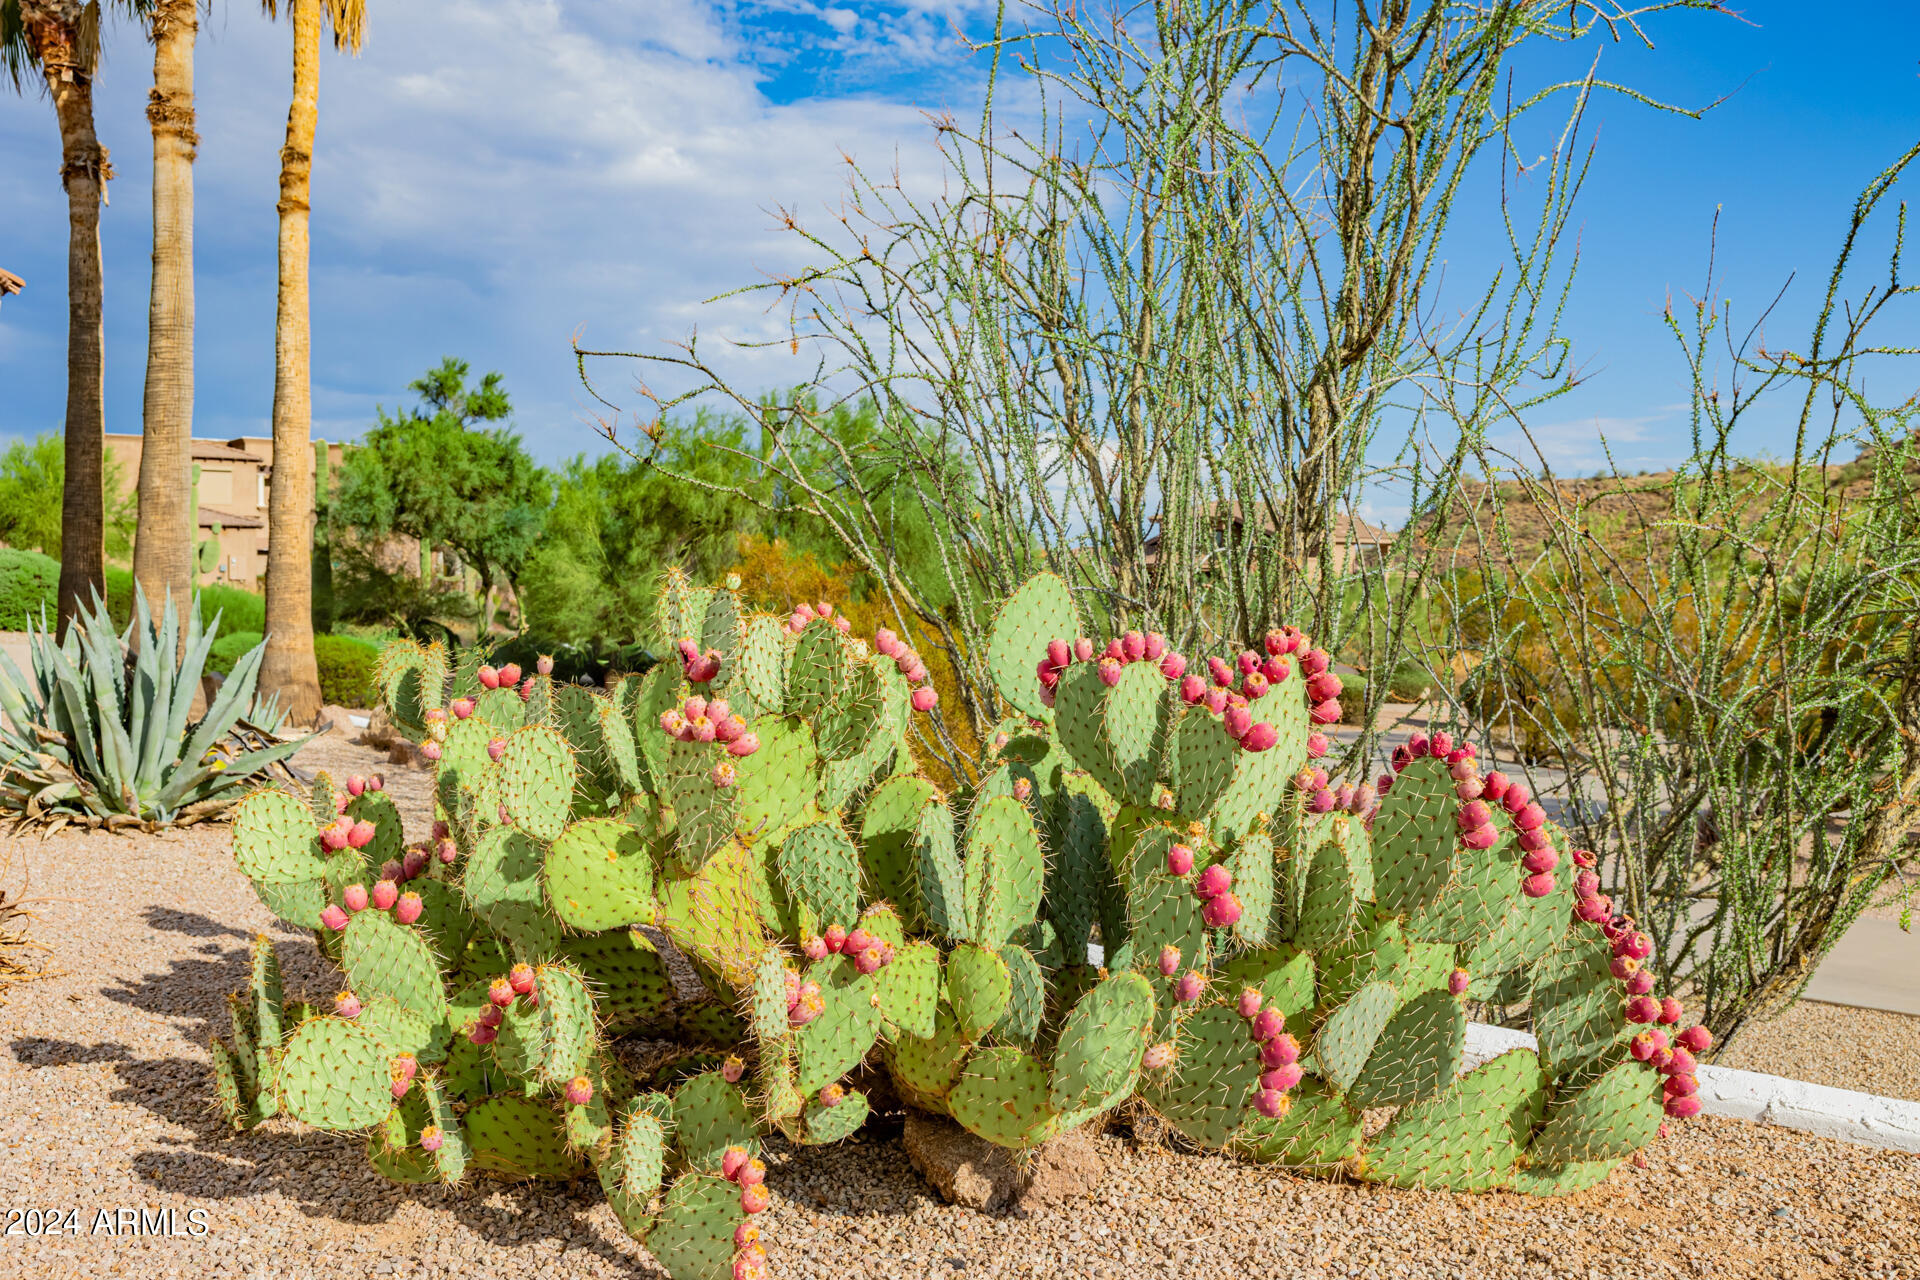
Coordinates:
288 667
84 172
163 540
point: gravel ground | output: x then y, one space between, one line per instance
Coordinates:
105 1105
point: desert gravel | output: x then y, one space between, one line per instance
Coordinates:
104 1105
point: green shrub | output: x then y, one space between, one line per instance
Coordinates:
26 579
229 649
346 670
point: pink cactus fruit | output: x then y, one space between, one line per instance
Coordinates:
1643 1046
1585 858
1110 671
1642 1009
810 1005
833 1095
744 745
1494 786
814 948
1169 960
1484 838
461 708
1250 1001
1179 860
1680 1108
1539 860
355 896
497 748
836 937
1174 666
1585 883
413 863
1327 712
1271 1103
431 1139
1216 701
752 1173
484 1033
499 992
1681 1086
356 784
1640 983
1670 1011
1458 981
346 1005
1696 1039
520 979
526 689
1315 662
404 1067
579 1091
1281 1051
1260 737
732 1161
446 850
1682 1063
361 835
1082 649
925 698
1214 881
723 774
746 1235
391 870
1221 912
1158 1057
1538 885
1637 945
408 908
1324 687
1317 745
867 960
1593 910
1220 671
1254 685
1192 689
1268 1023
1281 1077
333 917
1189 988
489 677
385 894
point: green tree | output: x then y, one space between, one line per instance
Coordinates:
32 475
437 475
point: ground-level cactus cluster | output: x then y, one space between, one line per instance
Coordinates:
1150 895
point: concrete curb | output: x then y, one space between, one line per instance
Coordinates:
1864 1118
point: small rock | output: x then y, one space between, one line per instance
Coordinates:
380 732
970 1171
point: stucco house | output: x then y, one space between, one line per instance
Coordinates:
235 478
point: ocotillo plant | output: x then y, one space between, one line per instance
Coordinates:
1153 894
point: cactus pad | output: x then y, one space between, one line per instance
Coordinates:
334 1075
693 1237
519 1137
1614 1116
1118 734
980 987
1040 611
1318 1132
821 869
599 875
275 840
1002 1095
1098 1055
383 958
710 1115
1212 1079
1417 1054
889 845
835 1041
1465 1138
1346 1038
1004 870
1414 837
909 988
537 775
502 884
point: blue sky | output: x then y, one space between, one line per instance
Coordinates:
493 175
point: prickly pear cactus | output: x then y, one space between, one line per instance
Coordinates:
1153 892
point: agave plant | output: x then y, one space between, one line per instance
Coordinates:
100 733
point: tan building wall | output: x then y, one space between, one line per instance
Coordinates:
236 477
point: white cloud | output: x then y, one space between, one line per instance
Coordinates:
490 177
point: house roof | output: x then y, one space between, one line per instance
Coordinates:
10 283
215 451
210 516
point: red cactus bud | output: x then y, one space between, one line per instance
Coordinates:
1681 1108
1133 647
1261 737
1696 1039
1173 666
1192 689
1538 861
1221 671
1276 670
1236 721
1179 859
1326 712
1324 687
1480 837
1314 661
1670 1011
924 698
1254 685
1537 886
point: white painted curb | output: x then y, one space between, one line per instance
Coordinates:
1864 1118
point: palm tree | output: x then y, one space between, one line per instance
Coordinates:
163 546
59 42
289 668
